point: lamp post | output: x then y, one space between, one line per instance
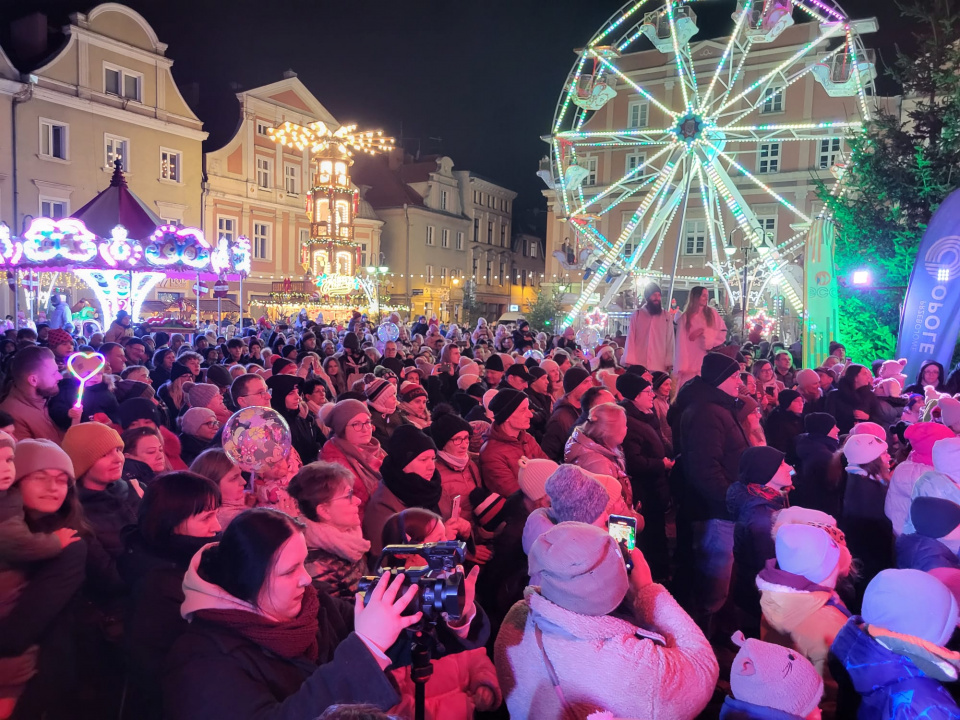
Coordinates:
746 248
378 272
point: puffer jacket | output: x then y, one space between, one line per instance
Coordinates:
594 457
812 484
753 506
924 553
803 615
500 459
457 482
733 709
643 454
890 684
899 494
450 694
605 662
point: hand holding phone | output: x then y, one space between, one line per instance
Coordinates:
623 529
455 512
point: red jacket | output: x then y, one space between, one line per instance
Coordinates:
500 459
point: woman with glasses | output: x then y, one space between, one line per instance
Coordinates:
354 447
286 399
330 512
198 428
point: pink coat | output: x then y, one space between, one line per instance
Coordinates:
451 690
605 663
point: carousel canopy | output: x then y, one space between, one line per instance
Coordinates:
116 205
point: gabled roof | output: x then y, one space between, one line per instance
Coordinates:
116 205
387 190
291 93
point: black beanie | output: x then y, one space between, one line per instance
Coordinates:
138 408
281 386
219 375
717 367
630 385
759 464
406 443
445 426
637 370
494 362
179 370
786 397
659 378
573 377
819 423
505 403
934 517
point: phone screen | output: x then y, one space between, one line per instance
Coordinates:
623 529
768 390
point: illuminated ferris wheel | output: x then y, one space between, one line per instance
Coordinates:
690 143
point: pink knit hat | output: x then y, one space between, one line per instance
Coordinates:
580 568
774 676
922 436
533 474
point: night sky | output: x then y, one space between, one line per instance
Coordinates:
477 81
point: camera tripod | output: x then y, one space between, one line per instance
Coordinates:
421 663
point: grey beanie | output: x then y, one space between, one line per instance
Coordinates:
343 412
575 496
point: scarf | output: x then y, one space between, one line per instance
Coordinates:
365 460
411 489
346 543
382 403
420 421
457 463
289 639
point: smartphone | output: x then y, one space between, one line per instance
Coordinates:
623 529
455 512
768 390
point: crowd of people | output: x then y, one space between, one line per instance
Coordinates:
796 545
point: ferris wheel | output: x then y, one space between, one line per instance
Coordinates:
694 141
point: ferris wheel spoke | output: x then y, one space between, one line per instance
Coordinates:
571 91
725 57
828 13
636 88
666 212
704 200
750 176
678 58
831 31
632 135
628 177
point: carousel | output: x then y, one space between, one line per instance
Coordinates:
119 249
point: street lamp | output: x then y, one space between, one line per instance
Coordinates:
746 248
378 271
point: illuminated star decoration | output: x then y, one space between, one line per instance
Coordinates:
597 318
320 139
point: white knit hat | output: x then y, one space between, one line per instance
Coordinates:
861 449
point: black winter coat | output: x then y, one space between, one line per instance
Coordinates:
753 507
559 427
107 512
152 622
540 407
191 446
781 429
643 455
713 441
813 486
866 526
841 403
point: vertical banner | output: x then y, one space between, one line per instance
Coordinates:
820 299
931 310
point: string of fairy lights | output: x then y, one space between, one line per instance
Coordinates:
690 159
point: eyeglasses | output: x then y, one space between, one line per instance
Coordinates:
348 497
259 392
212 423
361 425
460 440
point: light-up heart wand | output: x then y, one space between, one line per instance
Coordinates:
84 367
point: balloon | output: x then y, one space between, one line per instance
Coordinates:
388 331
588 338
254 436
535 354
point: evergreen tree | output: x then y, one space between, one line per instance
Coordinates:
542 313
899 171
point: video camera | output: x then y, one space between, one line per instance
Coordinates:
440 584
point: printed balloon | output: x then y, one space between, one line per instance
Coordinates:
256 436
588 338
388 331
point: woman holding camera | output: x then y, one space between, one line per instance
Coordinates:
263 643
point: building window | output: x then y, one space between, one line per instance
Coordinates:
476 229
503 272
476 262
768 224
291 179
54 208
443 199
533 249
459 241
443 276
503 234
628 250
261 241
429 274
53 139
264 172
430 238
635 160
489 276
772 100
116 147
262 128
830 152
590 164
444 238
305 240
226 228
695 237
638 113
122 82
171 163
769 160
